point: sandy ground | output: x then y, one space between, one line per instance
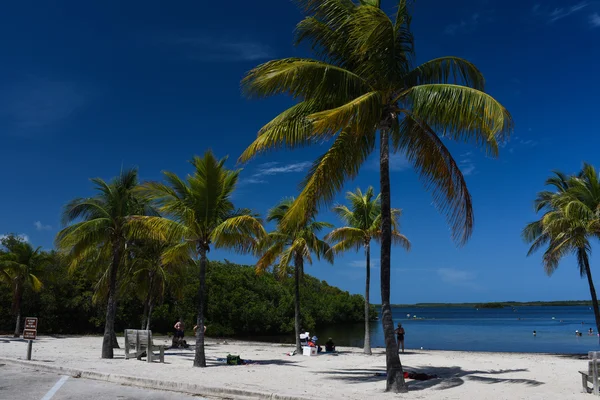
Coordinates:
349 374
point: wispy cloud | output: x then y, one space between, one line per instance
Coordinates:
363 263
466 164
23 236
274 168
36 104
554 14
41 227
464 26
595 20
457 277
210 49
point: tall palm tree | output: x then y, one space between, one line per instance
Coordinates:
203 216
288 245
363 224
364 82
100 228
571 218
18 267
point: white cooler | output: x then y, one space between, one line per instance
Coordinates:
309 351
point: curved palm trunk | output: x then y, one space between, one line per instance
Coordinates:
200 357
367 345
395 376
111 306
147 304
588 273
298 266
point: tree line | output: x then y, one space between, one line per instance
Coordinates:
242 303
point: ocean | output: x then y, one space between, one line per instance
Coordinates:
470 329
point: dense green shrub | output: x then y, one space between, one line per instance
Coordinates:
239 303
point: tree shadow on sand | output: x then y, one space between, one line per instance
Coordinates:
448 377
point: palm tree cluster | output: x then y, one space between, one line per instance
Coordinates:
362 92
570 221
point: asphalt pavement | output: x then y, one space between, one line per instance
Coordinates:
21 383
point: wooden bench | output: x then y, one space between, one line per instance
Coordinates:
138 342
591 375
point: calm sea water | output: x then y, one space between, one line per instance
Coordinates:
469 329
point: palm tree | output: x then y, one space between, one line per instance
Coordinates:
18 267
570 219
363 224
100 229
364 82
294 245
150 275
203 217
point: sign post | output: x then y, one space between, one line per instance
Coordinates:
30 333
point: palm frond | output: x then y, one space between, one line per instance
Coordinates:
446 70
462 114
439 171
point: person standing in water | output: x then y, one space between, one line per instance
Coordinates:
400 336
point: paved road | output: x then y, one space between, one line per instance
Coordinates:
27 384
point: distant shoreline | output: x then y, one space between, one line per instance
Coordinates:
497 304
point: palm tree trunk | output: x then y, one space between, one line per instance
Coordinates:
395 376
200 357
150 306
17 298
588 273
111 306
145 313
367 345
298 266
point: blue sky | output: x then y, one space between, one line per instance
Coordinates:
88 87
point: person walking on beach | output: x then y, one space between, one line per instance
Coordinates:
400 335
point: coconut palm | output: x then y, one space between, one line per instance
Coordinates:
99 230
20 266
571 218
203 217
363 224
150 275
364 82
293 245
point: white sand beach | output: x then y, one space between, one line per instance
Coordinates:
348 374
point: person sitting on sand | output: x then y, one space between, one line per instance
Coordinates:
329 346
196 328
313 343
178 336
400 335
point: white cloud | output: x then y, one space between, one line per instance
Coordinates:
41 227
23 236
464 26
363 263
457 277
466 165
211 49
276 168
595 20
554 14
39 103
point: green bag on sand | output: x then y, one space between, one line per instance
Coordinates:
233 360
